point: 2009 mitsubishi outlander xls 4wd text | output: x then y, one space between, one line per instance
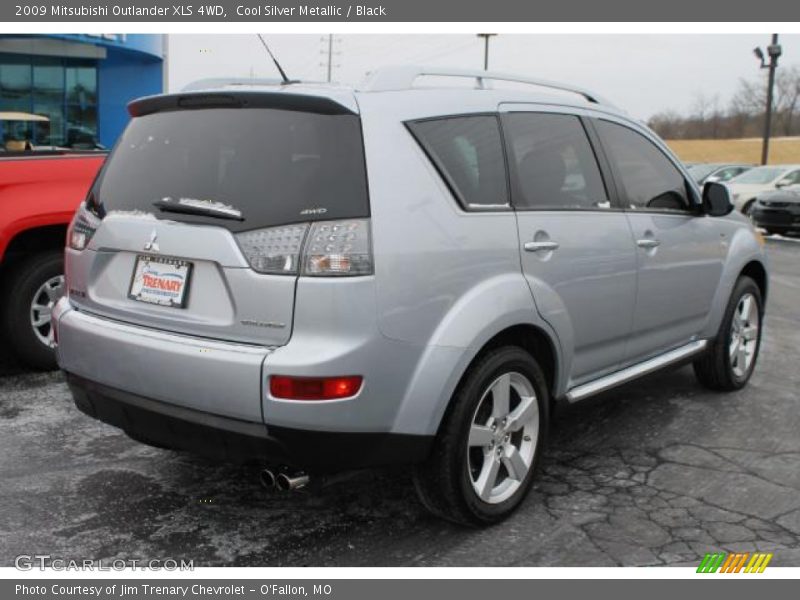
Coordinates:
320 278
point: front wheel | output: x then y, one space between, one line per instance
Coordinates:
488 446
729 363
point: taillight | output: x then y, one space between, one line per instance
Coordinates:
275 249
82 228
314 388
321 249
336 248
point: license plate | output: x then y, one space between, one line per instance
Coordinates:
159 280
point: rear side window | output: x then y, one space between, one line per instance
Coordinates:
649 179
468 152
553 164
275 166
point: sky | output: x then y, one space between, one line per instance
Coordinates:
644 74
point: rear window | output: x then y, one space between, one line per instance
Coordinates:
274 166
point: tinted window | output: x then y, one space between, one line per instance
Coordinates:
793 177
649 179
270 164
761 175
468 153
553 163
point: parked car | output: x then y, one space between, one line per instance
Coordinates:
318 278
778 211
719 172
748 185
39 192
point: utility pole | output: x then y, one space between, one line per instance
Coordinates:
486 37
330 56
773 51
329 41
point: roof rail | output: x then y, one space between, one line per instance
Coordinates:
402 78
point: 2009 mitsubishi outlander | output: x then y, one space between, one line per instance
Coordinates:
320 278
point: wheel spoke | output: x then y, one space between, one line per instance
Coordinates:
526 411
745 307
480 435
515 465
741 358
501 392
54 290
734 347
42 319
750 333
737 318
488 476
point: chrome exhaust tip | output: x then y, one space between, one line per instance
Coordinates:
286 483
267 479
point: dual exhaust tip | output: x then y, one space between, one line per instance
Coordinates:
283 481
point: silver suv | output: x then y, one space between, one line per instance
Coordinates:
319 279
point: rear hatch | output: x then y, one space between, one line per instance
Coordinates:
204 204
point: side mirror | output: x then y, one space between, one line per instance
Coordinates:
716 199
782 183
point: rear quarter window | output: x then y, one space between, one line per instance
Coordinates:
468 153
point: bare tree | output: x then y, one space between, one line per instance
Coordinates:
744 115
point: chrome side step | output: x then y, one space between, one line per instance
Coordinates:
633 372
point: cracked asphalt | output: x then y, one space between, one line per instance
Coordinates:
658 472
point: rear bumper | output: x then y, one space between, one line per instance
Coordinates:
234 440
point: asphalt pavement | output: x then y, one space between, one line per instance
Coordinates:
658 472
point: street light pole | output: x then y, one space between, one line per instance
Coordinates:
774 51
486 37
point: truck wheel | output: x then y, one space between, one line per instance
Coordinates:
730 361
488 445
33 286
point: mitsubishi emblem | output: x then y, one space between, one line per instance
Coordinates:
152 245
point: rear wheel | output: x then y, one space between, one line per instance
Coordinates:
730 361
33 286
488 447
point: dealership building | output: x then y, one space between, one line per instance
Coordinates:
81 83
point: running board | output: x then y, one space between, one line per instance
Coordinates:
654 364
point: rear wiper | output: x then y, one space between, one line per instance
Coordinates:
203 208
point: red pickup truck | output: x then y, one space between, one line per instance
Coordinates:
39 192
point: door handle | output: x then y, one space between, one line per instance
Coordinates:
648 243
540 246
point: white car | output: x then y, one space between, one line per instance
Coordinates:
750 184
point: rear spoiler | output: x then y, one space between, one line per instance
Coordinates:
238 99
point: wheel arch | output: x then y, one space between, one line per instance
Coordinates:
756 271
34 239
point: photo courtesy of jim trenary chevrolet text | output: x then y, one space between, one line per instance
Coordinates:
398 298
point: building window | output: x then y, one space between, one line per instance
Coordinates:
64 90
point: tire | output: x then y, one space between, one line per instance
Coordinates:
718 369
447 482
38 278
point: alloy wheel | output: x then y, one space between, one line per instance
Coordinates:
503 437
744 335
42 305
